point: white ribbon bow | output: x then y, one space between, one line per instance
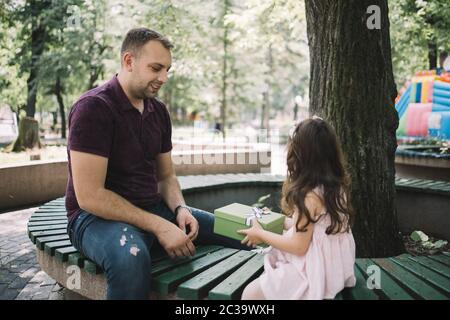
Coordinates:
257 213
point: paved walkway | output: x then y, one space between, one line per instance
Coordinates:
20 275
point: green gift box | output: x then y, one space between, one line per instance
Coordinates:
234 217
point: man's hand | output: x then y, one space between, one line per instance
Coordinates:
175 241
184 219
253 234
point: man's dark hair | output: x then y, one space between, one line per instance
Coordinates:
137 38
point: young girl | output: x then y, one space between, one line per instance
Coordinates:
314 258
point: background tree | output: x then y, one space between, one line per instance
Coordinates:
352 86
419 33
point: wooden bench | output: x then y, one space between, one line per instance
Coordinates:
221 273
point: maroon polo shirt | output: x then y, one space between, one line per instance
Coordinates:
105 123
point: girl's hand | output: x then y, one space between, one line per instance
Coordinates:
253 234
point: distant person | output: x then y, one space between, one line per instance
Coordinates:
314 258
123 197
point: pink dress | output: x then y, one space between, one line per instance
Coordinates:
325 269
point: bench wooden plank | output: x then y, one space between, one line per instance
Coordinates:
50 247
410 281
91 267
46 223
231 287
389 288
432 264
360 291
62 254
167 282
35 234
169 263
48 214
76 259
47 218
198 286
423 272
52 227
51 210
41 241
442 259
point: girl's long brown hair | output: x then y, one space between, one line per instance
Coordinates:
314 158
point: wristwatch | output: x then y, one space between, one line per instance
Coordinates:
182 206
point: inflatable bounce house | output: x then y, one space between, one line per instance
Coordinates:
423 106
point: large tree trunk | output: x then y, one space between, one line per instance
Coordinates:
37 48
59 98
265 111
28 135
352 87
432 55
223 105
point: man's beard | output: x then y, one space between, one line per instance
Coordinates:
145 92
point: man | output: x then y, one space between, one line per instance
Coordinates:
123 197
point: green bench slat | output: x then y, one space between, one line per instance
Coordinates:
422 184
407 183
91 267
51 210
76 259
49 215
51 218
423 272
55 226
442 259
41 241
50 247
389 288
339 296
198 286
231 287
62 254
437 184
432 264
360 291
413 283
33 235
169 263
446 254
166 282
46 223
53 205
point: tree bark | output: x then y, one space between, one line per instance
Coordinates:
37 48
59 98
223 105
28 137
265 110
432 55
352 87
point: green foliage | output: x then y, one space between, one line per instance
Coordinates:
415 23
266 58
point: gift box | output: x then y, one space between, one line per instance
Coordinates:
238 216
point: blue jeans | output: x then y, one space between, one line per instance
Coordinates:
127 264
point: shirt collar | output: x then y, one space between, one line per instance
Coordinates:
123 101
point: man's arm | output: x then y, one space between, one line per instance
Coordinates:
168 185
170 190
89 174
